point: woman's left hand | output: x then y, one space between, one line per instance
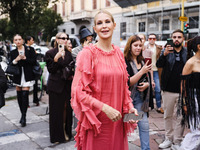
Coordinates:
133 110
143 86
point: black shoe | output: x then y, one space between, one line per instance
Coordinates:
23 121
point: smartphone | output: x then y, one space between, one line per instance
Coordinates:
148 59
61 47
21 52
170 42
132 116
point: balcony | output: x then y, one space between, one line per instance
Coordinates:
82 15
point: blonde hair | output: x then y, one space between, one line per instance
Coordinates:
104 12
142 35
57 36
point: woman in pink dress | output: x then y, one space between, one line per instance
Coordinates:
100 95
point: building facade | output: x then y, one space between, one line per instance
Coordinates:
159 17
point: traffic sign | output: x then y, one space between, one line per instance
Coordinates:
183 18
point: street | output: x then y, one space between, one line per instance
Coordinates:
36 134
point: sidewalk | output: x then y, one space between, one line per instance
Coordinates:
35 136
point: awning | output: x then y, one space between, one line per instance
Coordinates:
127 3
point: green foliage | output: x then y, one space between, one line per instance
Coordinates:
28 17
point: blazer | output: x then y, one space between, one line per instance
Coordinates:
55 81
27 64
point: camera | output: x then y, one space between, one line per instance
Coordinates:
61 47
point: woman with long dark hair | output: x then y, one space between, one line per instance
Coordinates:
189 102
24 59
59 90
139 84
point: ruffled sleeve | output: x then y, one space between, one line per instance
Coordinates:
84 104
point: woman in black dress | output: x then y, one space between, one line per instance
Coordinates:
59 89
24 59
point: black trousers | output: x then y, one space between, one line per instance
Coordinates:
58 102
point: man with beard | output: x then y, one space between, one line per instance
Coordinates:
172 61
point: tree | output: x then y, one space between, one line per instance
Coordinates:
26 16
49 20
3 29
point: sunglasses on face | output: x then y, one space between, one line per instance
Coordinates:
152 39
63 38
174 37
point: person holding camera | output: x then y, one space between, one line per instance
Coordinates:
139 83
59 90
24 60
172 61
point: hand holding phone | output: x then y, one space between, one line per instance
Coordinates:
170 42
21 53
61 47
132 116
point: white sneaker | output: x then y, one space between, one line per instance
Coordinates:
175 147
167 143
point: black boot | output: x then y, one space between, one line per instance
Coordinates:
19 100
35 94
25 95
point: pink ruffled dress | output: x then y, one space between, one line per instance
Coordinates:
101 78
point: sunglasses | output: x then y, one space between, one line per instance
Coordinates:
179 37
63 38
152 39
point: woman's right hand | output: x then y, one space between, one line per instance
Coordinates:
111 113
61 53
146 68
19 57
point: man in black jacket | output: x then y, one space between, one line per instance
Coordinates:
172 61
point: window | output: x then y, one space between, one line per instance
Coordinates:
107 3
64 30
82 5
122 30
72 6
165 24
194 22
192 35
72 30
63 10
141 26
165 37
55 8
94 4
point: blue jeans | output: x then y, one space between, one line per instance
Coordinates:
142 124
157 89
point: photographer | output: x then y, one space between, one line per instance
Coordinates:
59 89
172 61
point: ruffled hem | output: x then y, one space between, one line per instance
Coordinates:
84 112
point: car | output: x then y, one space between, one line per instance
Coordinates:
40 49
74 40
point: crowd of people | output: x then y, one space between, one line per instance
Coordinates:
100 84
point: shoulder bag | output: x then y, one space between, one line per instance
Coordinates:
12 69
37 70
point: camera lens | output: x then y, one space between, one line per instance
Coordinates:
60 46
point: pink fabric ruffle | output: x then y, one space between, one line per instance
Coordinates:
85 103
